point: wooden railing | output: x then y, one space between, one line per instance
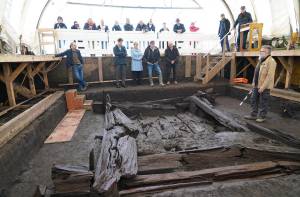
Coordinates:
96 43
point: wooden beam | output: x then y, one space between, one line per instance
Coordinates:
9 84
45 77
233 67
289 72
251 61
284 62
17 71
188 66
38 68
27 58
10 129
100 69
1 78
21 90
31 80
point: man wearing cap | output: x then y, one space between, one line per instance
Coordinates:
243 18
263 82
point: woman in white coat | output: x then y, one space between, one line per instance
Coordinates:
136 63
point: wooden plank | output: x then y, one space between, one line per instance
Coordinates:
188 66
215 174
16 125
31 80
100 69
22 90
27 58
9 84
233 67
70 75
45 77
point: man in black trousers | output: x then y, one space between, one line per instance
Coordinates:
172 56
243 18
120 53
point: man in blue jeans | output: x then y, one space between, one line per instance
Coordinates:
152 56
75 60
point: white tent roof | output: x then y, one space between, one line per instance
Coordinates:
25 16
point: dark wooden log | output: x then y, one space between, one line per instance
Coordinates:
118 158
275 134
222 118
95 152
71 179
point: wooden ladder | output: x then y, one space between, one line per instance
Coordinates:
46 38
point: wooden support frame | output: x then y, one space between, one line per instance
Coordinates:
233 67
100 69
288 64
252 62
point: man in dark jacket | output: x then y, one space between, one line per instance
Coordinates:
102 27
60 23
224 28
243 18
75 60
128 26
172 56
75 25
120 62
151 26
152 56
178 27
116 27
141 27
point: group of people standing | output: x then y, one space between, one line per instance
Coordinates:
151 56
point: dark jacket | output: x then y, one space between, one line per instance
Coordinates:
178 27
69 54
152 56
140 27
150 28
86 27
171 55
128 27
120 55
60 26
75 27
224 27
243 19
105 28
116 28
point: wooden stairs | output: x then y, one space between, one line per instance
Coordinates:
214 64
76 101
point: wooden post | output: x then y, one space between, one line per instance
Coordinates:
198 67
100 69
9 84
207 69
233 67
289 72
188 66
241 40
31 80
70 75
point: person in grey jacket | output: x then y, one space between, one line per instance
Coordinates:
120 53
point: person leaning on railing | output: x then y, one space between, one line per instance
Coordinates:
75 60
75 25
128 26
141 27
116 27
60 23
102 27
152 57
151 26
164 28
263 82
120 53
89 25
178 27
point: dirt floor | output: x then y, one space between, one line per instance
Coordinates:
170 132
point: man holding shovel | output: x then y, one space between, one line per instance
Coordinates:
263 82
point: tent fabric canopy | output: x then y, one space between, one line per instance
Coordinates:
25 16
